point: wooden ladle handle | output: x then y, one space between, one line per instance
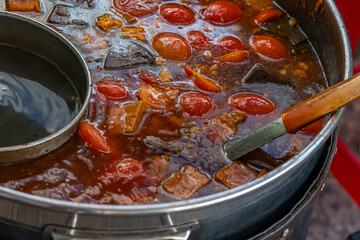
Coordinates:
325 102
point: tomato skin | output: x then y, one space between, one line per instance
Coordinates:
269 47
231 43
195 104
313 128
123 172
112 89
251 103
198 39
137 8
267 15
171 46
177 14
234 57
153 98
148 77
90 134
200 81
222 13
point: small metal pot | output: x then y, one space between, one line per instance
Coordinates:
243 211
37 38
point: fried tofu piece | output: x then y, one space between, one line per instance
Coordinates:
186 182
104 23
126 118
235 174
134 33
23 5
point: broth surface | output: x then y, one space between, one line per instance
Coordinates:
169 153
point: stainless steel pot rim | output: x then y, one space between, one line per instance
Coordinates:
201 202
83 108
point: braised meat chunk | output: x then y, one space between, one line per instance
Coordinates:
126 118
235 174
186 182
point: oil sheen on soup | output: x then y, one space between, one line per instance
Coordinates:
172 81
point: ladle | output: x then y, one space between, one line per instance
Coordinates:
296 117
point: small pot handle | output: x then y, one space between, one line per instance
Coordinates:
179 232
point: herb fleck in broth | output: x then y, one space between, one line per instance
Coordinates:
159 115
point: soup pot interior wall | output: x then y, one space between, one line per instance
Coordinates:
331 42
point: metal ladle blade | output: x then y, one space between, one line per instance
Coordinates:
296 117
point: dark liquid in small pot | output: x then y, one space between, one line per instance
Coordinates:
36 98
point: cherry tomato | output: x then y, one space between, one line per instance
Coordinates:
196 104
90 134
234 57
154 98
137 8
123 172
148 77
222 13
112 89
177 14
314 128
251 103
267 15
200 81
231 43
172 46
198 40
269 47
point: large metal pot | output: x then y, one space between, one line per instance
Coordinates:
243 211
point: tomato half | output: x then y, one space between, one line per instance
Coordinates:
177 14
200 81
234 57
313 128
195 104
112 89
269 47
222 13
137 8
198 39
171 46
90 134
251 103
231 43
267 15
154 98
123 172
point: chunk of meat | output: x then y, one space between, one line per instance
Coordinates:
225 126
157 170
126 118
23 5
130 55
104 23
235 174
61 15
186 182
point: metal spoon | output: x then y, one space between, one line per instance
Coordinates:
296 117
